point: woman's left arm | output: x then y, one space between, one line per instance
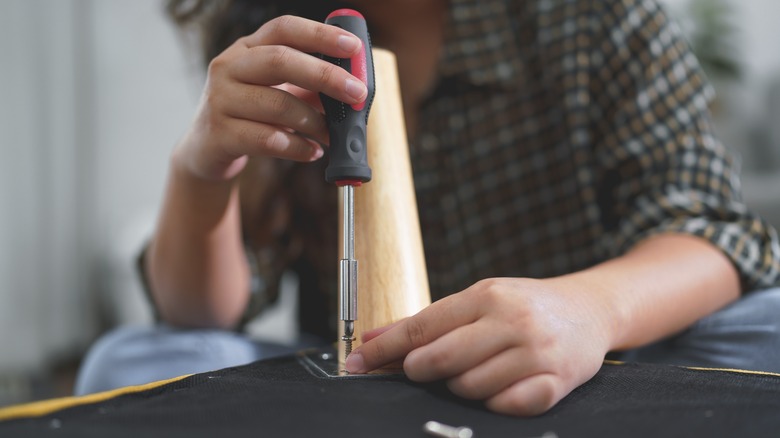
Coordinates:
522 344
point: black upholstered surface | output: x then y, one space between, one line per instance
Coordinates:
283 398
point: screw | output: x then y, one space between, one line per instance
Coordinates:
444 431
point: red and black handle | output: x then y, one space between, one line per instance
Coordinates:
347 123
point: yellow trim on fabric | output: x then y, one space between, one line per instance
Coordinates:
37 409
735 370
729 370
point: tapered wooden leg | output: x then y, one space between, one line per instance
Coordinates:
392 277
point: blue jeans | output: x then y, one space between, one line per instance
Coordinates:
134 355
744 335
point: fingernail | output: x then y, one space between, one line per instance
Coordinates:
356 89
318 152
354 363
348 43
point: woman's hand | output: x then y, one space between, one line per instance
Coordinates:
519 344
261 97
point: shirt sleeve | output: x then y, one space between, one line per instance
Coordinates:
143 278
264 283
663 169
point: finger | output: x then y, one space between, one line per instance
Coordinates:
531 396
305 35
310 97
457 352
373 333
251 138
429 324
495 374
274 65
276 107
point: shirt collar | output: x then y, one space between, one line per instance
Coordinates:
480 43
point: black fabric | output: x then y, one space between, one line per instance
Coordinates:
282 398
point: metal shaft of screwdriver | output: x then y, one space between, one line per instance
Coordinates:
348 271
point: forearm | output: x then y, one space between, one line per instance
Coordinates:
660 287
196 265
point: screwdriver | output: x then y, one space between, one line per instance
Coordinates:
348 165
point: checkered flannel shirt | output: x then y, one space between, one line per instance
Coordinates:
562 133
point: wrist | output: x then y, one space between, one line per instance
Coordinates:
203 190
600 297
658 288
202 163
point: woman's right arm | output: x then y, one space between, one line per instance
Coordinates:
260 99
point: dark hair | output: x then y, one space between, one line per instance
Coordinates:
221 22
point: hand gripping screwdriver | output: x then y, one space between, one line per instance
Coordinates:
348 165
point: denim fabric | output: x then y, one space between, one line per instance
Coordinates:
137 355
744 335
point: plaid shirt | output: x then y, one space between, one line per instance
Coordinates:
560 134
564 132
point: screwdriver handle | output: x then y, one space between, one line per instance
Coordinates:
348 163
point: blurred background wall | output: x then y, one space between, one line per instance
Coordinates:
93 96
